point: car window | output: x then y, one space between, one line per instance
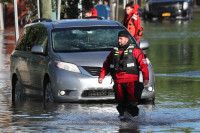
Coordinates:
83 39
33 36
42 38
21 43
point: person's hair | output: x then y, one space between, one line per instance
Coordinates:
130 4
105 1
88 11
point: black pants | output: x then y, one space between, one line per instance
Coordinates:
124 95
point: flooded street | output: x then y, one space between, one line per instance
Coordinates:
174 54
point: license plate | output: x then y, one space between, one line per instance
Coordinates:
166 14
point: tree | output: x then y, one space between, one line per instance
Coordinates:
6 2
72 10
45 9
87 4
31 5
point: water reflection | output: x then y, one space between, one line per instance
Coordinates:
94 117
169 21
174 48
179 92
33 115
191 74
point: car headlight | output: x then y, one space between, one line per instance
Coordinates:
150 88
67 66
185 5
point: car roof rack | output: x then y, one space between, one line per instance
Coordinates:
42 19
99 18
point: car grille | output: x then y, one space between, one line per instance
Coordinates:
163 7
97 93
94 71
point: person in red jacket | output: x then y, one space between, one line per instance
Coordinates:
124 63
132 21
92 12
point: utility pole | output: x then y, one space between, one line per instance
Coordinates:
38 8
113 9
81 8
124 3
117 10
46 9
58 9
16 21
1 17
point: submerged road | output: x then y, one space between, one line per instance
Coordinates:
174 53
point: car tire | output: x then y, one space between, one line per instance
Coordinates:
48 93
147 101
198 2
144 16
151 100
18 92
147 16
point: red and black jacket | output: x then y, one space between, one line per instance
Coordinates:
117 65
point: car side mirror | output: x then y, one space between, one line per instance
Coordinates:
144 45
37 49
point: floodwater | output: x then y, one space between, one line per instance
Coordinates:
174 53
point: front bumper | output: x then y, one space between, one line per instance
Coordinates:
75 87
175 14
78 87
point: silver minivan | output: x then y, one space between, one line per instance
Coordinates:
60 61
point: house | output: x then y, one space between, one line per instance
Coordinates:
7 13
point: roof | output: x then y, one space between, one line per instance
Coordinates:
81 23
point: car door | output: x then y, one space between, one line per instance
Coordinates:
37 62
20 56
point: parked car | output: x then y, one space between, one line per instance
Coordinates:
177 9
198 2
61 61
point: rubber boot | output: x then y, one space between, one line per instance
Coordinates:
132 108
121 109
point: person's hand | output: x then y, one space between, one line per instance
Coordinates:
100 80
146 82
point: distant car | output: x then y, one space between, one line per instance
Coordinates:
198 2
176 9
61 61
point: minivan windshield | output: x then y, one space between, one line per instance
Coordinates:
82 39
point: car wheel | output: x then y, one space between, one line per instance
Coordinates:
147 101
148 17
151 100
18 93
48 94
144 15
